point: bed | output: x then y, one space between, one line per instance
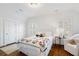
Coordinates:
36 46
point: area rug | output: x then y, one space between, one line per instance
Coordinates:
9 49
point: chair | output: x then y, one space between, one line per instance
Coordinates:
72 45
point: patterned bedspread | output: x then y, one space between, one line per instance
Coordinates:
39 42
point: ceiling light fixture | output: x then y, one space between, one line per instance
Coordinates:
34 5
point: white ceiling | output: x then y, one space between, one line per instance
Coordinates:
20 10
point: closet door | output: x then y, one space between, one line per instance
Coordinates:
1 32
10 31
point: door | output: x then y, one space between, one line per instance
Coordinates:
10 31
1 32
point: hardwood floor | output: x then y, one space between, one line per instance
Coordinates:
57 50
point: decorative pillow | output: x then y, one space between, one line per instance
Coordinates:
43 34
37 35
40 34
72 41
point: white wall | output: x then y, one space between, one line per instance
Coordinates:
41 24
50 16
1 32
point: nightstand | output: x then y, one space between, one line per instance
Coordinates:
57 40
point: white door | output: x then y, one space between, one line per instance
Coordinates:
10 31
1 32
20 31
